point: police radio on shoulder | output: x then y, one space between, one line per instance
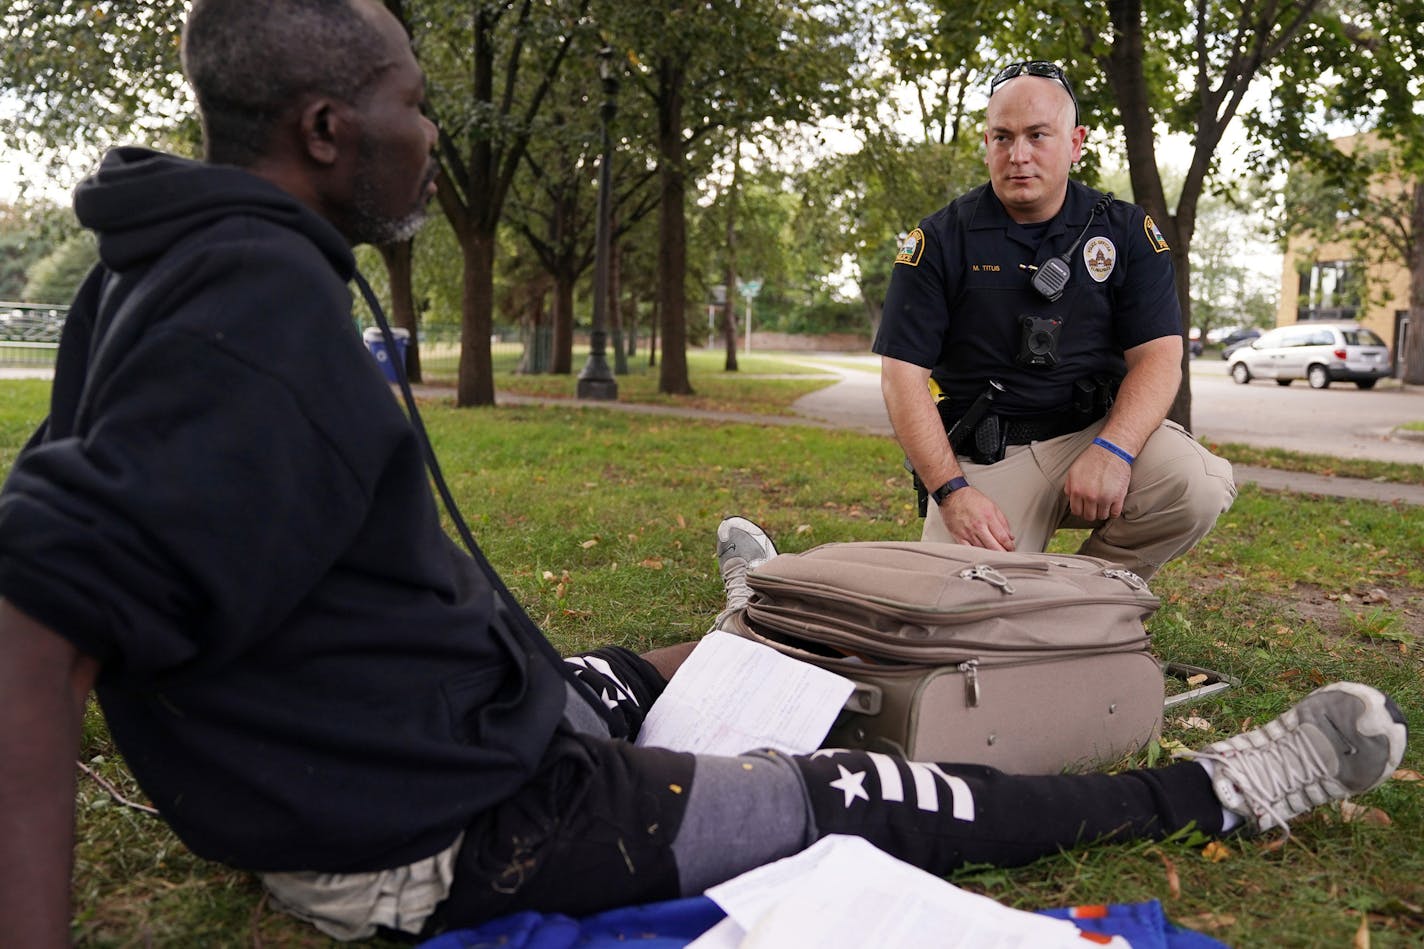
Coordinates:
1051 277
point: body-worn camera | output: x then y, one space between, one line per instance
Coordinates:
1038 341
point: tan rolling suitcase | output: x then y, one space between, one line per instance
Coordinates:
1031 663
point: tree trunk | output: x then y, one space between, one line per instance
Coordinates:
1124 66
874 306
536 331
729 309
476 379
561 362
1181 408
654 321
615 310
633 324
565 274
672 234
1414 343
397 258
729 320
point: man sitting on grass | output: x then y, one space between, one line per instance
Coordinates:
225 531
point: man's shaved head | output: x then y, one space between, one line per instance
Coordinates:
249 61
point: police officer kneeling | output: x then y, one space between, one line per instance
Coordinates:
1042 316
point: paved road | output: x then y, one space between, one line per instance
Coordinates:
1342 420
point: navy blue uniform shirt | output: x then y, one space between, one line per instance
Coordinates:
959 288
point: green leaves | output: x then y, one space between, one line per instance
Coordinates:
87 74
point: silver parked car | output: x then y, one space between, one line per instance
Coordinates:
1320 353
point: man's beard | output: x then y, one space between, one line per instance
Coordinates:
369 225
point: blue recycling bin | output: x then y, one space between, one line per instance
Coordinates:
376 343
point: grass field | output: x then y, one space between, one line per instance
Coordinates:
602 523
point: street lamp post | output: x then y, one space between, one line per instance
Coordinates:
596 380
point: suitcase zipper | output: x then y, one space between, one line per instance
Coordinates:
970 668
1126 576
982 571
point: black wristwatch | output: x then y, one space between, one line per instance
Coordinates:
948 488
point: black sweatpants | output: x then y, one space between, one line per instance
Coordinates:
605 823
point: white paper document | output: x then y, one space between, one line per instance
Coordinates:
843 891
732 695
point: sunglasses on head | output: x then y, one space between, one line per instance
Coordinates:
1036 67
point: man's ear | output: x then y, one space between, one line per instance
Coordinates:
326 128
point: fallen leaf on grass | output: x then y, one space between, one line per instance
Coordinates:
1209 921
1174 882
1404 774
561 582
1362 935
652 563
1216 852
1197 679
1193 721
1170 745
1272 844
803 528
681 521
1352 813
593 542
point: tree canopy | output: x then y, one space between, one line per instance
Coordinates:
895 90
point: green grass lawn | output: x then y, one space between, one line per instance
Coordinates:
779 380
602 524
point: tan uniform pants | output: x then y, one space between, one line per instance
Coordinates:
1177 492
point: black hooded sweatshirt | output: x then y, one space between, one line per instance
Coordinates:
229 511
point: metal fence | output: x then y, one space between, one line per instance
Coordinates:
29 333
29 338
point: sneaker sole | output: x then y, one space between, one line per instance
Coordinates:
1381 716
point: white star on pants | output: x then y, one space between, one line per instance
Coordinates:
851 784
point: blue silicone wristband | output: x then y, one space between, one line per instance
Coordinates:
1104 443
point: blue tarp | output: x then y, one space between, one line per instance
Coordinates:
677 922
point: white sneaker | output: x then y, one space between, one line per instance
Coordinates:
1340 740
741 546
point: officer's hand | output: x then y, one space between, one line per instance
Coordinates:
973 518
1097 484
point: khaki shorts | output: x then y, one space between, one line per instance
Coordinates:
1177 492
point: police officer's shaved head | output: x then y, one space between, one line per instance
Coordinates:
1043 70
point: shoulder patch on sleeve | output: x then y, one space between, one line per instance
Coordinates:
911 248
1154 236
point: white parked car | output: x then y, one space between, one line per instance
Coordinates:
1318 352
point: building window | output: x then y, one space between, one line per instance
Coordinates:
1329 290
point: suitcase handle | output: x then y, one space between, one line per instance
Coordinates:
865 699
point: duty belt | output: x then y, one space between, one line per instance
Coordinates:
1035 428
986 443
